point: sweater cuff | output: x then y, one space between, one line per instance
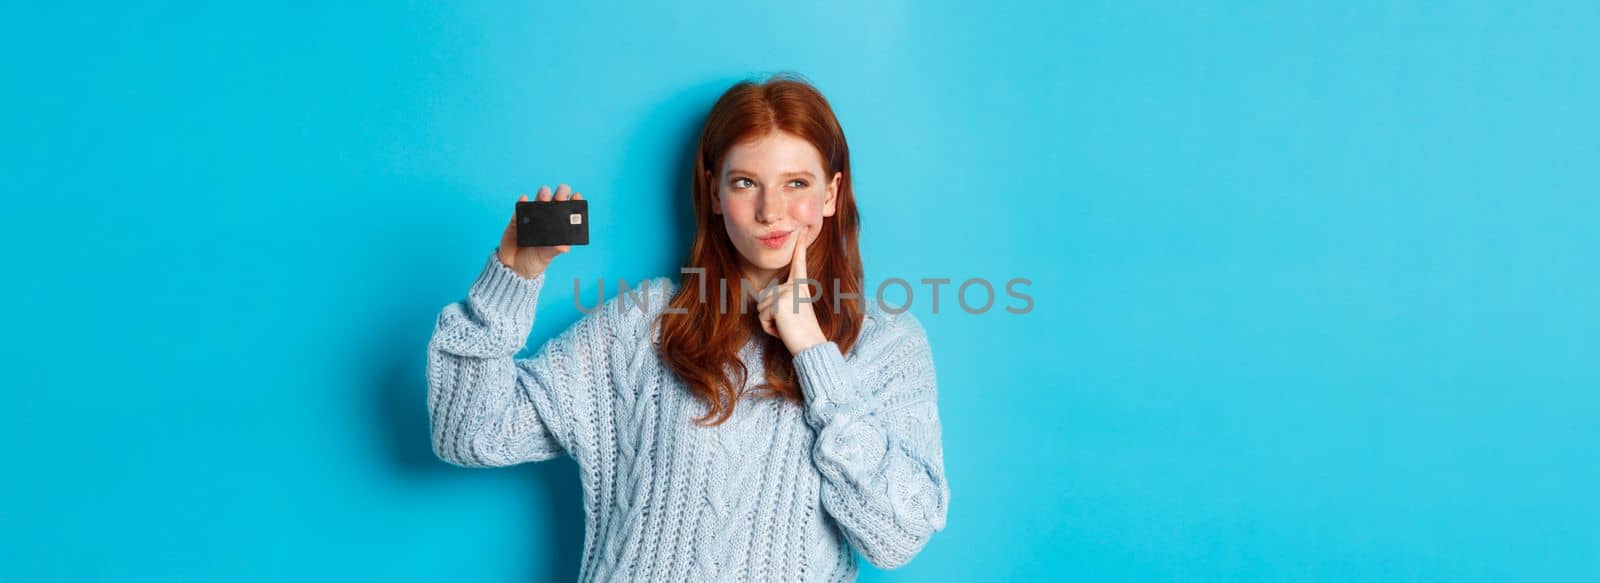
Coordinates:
826 380
504 292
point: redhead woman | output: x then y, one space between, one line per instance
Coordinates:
756 418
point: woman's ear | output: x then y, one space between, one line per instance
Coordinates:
833 194
711 186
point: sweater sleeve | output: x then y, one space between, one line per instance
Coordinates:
489 409
878 441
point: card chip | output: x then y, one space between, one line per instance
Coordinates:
575 219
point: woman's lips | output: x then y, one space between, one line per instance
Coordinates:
775 241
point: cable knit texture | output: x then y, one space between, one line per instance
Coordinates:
780 492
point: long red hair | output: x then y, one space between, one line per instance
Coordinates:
700 340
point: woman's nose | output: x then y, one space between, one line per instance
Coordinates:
768 208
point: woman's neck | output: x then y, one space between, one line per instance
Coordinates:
760 279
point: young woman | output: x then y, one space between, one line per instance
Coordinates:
692 470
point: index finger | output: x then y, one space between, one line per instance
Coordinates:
797 265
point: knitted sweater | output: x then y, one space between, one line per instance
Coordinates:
780 492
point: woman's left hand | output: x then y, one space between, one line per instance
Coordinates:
786 309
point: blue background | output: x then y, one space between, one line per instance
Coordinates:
1316 289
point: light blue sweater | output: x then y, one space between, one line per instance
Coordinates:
780 492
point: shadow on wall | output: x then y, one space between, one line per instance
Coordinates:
396 391
663 151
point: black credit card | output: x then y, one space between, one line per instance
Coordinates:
556 222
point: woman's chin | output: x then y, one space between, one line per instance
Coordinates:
766 259
771 266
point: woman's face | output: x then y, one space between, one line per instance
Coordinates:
769 191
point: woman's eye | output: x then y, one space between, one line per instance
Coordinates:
740 182
798 183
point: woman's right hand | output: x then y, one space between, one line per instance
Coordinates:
529 262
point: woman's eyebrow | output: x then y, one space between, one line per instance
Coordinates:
805 173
